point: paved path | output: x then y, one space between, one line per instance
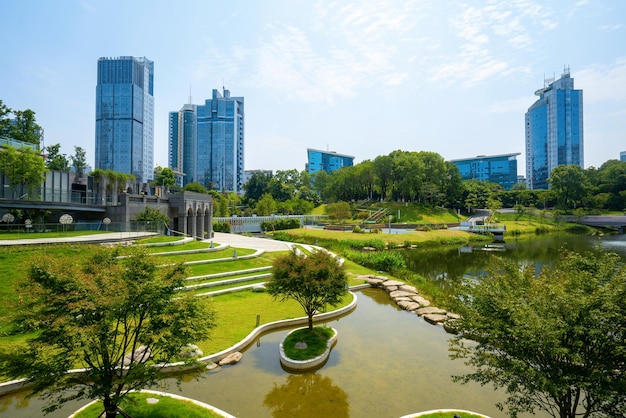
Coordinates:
109 236
234 240
242 241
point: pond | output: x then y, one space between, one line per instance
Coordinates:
387 362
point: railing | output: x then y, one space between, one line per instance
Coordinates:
253 223
42 229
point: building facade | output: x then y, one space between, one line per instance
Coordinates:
554 130
500 169
622 156
125 116
206 142
326 160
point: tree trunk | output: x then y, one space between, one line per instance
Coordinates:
110 408
310 322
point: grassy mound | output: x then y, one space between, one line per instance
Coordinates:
315 342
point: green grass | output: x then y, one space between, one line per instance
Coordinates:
135 405
17 235
316 341
158 239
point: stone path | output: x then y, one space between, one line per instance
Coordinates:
407 298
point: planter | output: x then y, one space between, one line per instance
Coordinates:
306 365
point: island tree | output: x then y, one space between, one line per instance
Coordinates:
116 318
555 340
314 281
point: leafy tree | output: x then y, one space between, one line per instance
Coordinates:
56 160
313 281
24 168
195 187
150 214
164 177
101 314
256 186
556 340
570 185
79 160
266 205
21 126
338 211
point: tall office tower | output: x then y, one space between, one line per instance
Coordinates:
125 116
554 130
182 144
206 142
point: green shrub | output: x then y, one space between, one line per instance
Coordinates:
389 261
357 229
280 224
221 227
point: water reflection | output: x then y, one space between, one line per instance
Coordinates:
307 395
447 267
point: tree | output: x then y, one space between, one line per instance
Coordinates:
164 177
570 185
102 314
338 211
150 214
195 187
55 160
79 160
556 341
313 281
25 127
266 205
257 186
23 167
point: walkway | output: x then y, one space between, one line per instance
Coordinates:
242 241
94 238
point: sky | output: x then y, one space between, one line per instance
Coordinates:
362 78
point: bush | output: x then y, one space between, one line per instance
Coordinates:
221 227
280 224
357 229
389 261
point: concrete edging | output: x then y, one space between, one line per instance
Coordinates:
303 365
432 411
171 395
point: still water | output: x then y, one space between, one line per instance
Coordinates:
387 362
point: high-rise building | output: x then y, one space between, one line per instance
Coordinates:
206 142
622 156
500 169
326 160
554 130
125 116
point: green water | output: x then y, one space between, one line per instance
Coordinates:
387 362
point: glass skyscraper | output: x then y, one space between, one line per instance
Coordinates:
554 130
500 169
206 142
326 160
125 116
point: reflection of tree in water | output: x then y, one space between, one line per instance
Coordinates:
446 266
307 395
20 399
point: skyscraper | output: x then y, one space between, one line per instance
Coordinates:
206 142
125 116
554 130
326 160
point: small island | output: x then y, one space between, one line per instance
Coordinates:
304 349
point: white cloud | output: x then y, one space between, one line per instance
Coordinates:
603 82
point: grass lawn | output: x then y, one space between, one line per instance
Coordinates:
435 237
237 315
11 235
316 341
136 405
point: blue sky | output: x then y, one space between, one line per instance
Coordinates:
362 78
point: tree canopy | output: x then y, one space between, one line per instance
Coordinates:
20 125
23 167
313 281
55 159
100 314
555 339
